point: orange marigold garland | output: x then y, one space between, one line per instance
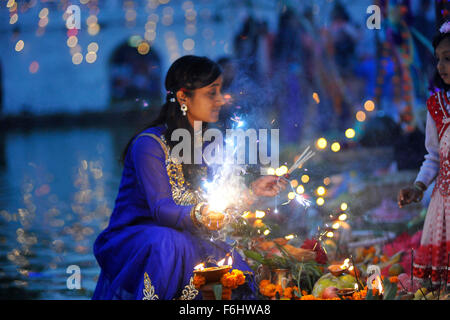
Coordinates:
233 279
270 290
199 281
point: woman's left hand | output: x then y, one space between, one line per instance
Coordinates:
268 186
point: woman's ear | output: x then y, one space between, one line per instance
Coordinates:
181 97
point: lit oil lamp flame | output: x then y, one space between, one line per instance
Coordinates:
200 266
380 286
222 262
345 265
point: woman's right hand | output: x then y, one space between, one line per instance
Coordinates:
212 220
409 195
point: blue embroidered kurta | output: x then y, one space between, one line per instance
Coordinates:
149 233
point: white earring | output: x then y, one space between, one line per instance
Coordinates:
184 109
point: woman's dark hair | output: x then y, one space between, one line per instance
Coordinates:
186 73
437 80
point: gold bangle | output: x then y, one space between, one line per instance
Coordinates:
196 214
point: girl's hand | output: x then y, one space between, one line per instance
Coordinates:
409 195
212 220
268 186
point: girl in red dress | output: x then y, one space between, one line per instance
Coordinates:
431 258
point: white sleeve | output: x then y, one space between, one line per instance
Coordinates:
430 167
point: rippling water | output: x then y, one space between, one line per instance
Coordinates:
57 190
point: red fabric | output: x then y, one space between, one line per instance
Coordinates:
438 112
431 260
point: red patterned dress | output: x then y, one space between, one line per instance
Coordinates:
431 259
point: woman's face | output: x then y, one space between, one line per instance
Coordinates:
443 60
205 103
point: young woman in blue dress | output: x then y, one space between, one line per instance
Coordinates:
159 228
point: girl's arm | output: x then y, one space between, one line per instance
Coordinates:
430 167
149 161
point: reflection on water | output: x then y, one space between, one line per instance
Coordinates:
57 190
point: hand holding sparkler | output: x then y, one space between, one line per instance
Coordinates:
268 186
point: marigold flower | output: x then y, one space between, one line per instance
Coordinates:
279 289
268 290
288 292
361 295
264 283
199 280
233 279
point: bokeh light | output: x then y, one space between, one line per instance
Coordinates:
321 143
369 105
294 183
305 178
92 47
316 97
34 67
320 201
143 48
361 116
77 58
350 133
188 44
91 57
335 147
19 45
321 191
